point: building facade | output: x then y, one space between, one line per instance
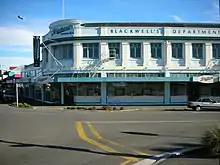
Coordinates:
128 63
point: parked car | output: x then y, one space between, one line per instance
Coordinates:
204 103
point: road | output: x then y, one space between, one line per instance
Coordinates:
38 137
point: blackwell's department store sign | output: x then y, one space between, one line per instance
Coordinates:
136 31
166 31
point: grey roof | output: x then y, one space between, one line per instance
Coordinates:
151 24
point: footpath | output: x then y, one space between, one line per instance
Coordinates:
126 108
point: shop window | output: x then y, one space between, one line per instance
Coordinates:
215 91
178 89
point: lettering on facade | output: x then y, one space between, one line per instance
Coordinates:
136 31
63 30
196 31
160 31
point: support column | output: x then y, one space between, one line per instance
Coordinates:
50 58
77 54
125 53
167 54
167 96
103 93
208 53
62 93
42 93
30 91
104 53
146 54
188 53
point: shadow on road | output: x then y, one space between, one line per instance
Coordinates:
158 135
24 145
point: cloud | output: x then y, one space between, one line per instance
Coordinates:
19 36
16 41
176 18
6 62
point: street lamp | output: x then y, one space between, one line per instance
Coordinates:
57 62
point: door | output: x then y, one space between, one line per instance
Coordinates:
193 91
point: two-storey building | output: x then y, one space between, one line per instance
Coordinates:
130 63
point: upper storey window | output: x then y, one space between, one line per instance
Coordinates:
177 50
91 50
156 50
64 51
216 50
135 50
114 50
45 54
197 50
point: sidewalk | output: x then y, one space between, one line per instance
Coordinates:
126 108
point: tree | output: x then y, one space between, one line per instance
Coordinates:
211 140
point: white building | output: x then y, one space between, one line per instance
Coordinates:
130 63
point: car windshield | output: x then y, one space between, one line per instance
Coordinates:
207 100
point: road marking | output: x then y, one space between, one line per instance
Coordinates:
125 162
98 136
159 121
84 137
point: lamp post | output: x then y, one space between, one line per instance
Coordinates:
57 62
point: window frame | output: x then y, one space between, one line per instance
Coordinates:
86 47
197 49
119 53
153 45
175 54
139 45
217 47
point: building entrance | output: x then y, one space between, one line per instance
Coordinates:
193 91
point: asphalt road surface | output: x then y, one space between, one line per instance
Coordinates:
42 137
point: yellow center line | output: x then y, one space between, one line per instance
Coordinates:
97 135
84 137
125 162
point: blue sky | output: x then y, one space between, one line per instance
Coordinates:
16 35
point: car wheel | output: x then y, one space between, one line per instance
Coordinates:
198 108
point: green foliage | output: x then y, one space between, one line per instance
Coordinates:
21 105
106 107
211 140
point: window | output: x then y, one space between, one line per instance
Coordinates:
64 51
45 54
197 50
156 50
135 50
114 50
216 51
91 50
177 50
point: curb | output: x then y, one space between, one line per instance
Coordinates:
177 153
162 157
